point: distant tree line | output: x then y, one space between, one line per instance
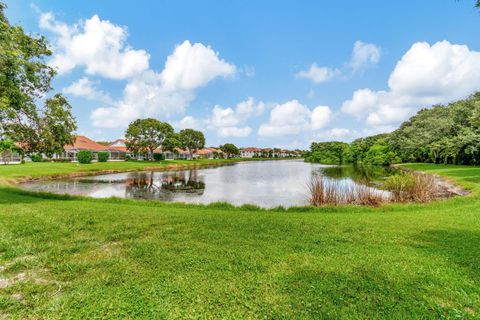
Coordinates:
448 134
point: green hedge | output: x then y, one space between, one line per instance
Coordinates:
103 156
57 160
158 156
85 156
36 157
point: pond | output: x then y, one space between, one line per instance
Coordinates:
262 183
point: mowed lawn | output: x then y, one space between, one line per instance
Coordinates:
72 258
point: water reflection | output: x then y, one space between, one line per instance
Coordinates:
148 185
369 175
265 183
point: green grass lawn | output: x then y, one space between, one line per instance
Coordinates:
65 257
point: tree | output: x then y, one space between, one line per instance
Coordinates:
24 78
57 125
171 143
192 140
145 135
7 147
47 130
230 149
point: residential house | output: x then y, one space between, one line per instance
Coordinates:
250 152
209 153
84 143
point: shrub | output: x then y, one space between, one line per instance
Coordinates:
56 160
62 160
85 156
36 157
324 192
103 156
158 156
411 187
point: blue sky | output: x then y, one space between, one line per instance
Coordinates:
257 73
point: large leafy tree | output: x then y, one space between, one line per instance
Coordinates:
145 135
24 78
230 149
192 140
171 143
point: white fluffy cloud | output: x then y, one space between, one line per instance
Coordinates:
425 75
238 132
98 45
364 54
228 121
188 68
192 66
293 118
86 88
318 74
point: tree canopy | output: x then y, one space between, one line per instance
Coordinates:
24 78
230 149
145 135
192 140
447 134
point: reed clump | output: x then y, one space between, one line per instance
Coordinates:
404 187
325 192
411 187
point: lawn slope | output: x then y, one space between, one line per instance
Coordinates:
67 257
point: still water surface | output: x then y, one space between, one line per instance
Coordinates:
263 183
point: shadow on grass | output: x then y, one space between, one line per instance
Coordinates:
362 294
461 247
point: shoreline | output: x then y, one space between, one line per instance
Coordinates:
158 166
448 187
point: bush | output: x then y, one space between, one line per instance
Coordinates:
415 187
103 156
36 157
57 160
85 156
158 156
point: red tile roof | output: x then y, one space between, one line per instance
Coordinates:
84 143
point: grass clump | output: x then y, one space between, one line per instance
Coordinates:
416 187
327 192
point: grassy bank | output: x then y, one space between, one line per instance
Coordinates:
64 257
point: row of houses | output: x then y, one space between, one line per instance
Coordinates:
253 152
118 151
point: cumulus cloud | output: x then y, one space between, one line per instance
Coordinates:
86 88
424 76
192 66
97 45
189 122
149 94
364 54
293 118
100 47
318 74
237 132
229 121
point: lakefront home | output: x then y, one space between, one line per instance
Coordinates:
84 143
